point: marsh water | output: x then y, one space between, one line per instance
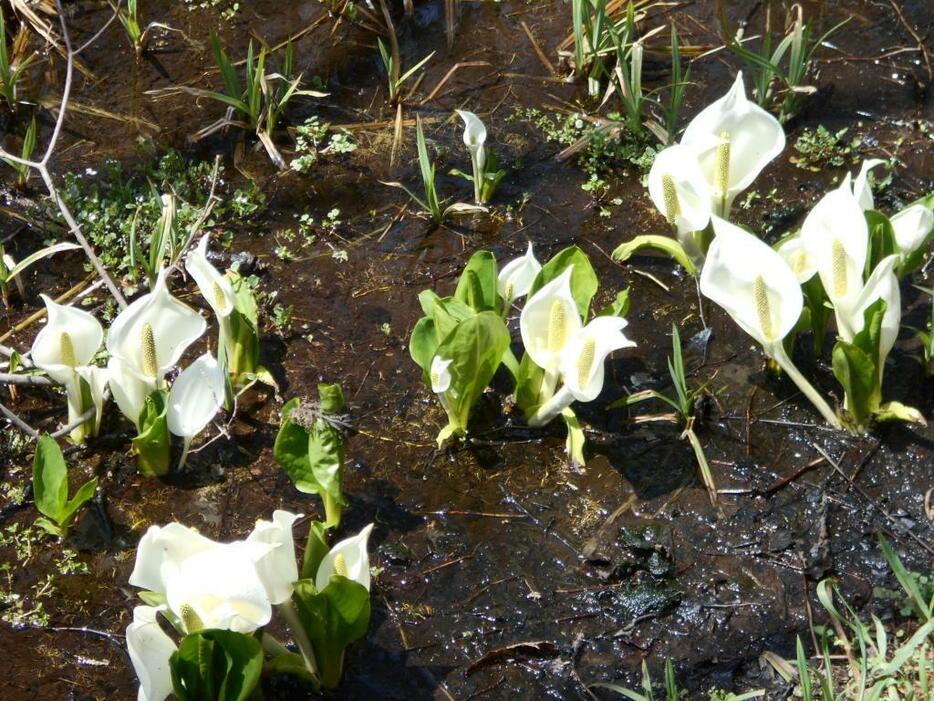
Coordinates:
504 573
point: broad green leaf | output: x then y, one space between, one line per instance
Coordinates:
216 665
856 366
881 239
82 496
333 619
528 385
583 278
475 348
664 244
427 300
243 353
477 285
331 398
315 549
618 307
422 345
50 479
291 450
447 314
153 444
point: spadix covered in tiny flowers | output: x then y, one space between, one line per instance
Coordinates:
755 285
145 341
65 349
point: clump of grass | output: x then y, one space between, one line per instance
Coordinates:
820 147
122 212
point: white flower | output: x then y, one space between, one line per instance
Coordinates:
63 348
799 258
151 334
516 278
860 185
474 137
679 189
150 651
581 365
549 320
129 390
348 558
196 396
735 139
277 570
758 289
215 288
882 284
440 375
837 239
912 226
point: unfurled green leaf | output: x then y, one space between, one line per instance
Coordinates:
475 348
664 244
315 549
618 307
856 366
50 488
153 444
477 285
529 385
583 278
216 665
333 619
881 239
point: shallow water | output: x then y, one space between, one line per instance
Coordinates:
496 542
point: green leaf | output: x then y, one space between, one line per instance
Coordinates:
313 457
50 479
583 278
422 345
153 444
896 411
664 244
528 385
881 239
315 549
447 314
333 619
242 350
82 497
475 348
618 307
856 366
477 285
427 300
216 665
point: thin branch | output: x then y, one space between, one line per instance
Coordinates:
86 416
7 378
18 422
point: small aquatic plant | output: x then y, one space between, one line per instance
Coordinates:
12 68
462 340
219 597
393 65
486 173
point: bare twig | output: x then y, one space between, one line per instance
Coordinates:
18 422
7 378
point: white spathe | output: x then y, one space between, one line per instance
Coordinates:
516 278
215 287
688 192
549 320
69 340
196 396
912 226
128 388
753 283
882 284
474 137
277 570
170 325
837 239
860 185
355 560
150 651
751 136
219 585
798 257
440 374
63 348
584 356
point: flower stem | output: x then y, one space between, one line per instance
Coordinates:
477 177
290 615
551 408
777 351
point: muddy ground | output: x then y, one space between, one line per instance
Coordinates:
496 542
